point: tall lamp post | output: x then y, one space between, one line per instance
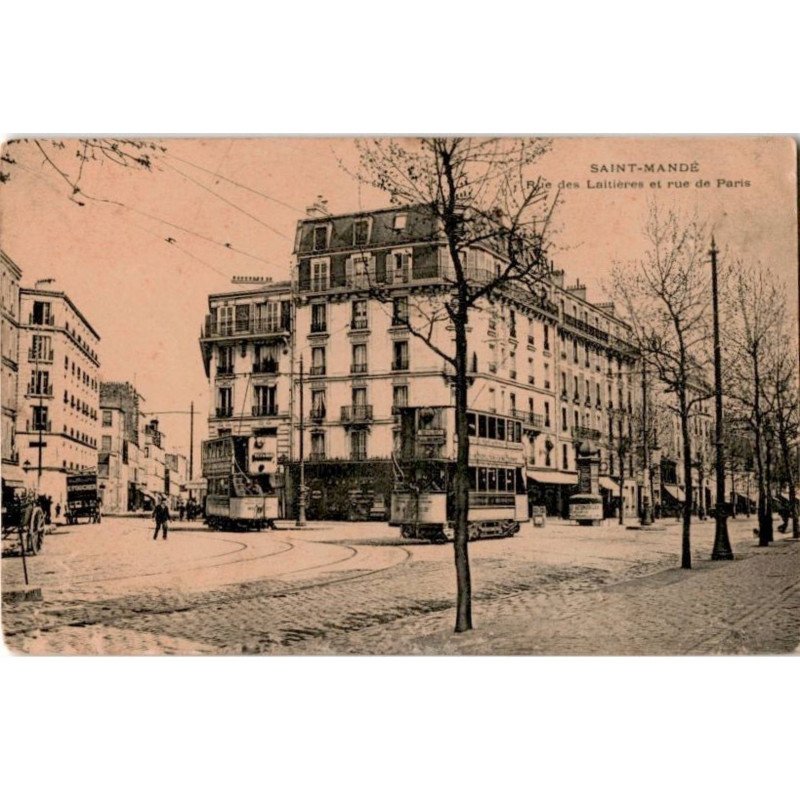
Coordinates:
301 502
722 545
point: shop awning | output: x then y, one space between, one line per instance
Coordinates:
553 477
610 485
675 491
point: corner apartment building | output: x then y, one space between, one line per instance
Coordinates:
550 358
58 394
246 349
153 463
10 276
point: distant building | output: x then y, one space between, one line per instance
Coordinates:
58 396
120 470
176 477
153 463
10 275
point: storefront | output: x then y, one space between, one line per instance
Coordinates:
552 490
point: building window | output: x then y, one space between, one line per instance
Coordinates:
319 275
546 337
225 401
565 456
398 268
41 348
267 317
400 355
359 318
106 418
547 414
39 417
41 313
317 360
225 320
225 361
361 232
318 318
399 397
242 318
400 222
105 443
400 311
318 445
360 271
40 382
320 237
265 359
265 405
358 445
359 363
318 404
563 419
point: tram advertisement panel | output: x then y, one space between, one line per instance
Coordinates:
426 508
262 455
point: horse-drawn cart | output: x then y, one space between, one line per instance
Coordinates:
23 519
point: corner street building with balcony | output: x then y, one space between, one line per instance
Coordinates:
246 348
58 395
10 275
549 358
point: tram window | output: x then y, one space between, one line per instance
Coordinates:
481 426
501 429
501 480
491 480
510 479
481 479
492 427
471 430
473 479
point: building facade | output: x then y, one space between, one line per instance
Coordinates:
120 470
10 275
58 394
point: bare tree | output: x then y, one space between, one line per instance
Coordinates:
482 195
782 400
72 160
754 304
666 298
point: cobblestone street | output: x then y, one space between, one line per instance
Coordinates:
359 588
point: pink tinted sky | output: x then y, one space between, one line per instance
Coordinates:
147 297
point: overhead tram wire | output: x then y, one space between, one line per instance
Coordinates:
231 204
235 183
225 245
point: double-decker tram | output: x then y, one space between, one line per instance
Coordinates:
423 498
241 472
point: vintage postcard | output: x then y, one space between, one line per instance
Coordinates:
446 395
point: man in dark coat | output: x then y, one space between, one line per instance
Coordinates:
161 516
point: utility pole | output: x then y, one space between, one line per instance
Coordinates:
301 502
722 546
191 441
647 506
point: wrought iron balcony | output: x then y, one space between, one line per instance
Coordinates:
46 319
319 326
40 357
225 412
269 367
214 328
39 391
224 370
45 425
317 456
317 414
584 433
351 414
358 369
400 365
529 419
265 410
359 324
317 369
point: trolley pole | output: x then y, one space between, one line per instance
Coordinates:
191 441
301 501
722 545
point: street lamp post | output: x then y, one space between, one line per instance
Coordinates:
647 506
722 545
301 501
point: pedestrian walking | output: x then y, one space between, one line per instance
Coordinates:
161 516
181 510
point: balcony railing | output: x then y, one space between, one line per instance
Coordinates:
357 413
40 357
317 456
529 418
47 319
224 369
265 411
358 455
317 414
359 324
399 320
249 327
225 412
584 327
582 432
358 369
319 326
265 368
46 426
317 369
398 410
39 391
400 365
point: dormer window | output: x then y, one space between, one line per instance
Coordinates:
361 232
400 222
320 237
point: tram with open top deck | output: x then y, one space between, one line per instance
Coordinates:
423 498
241 474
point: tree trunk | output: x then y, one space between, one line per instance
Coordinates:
768 525
461 482
686 544
764 534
